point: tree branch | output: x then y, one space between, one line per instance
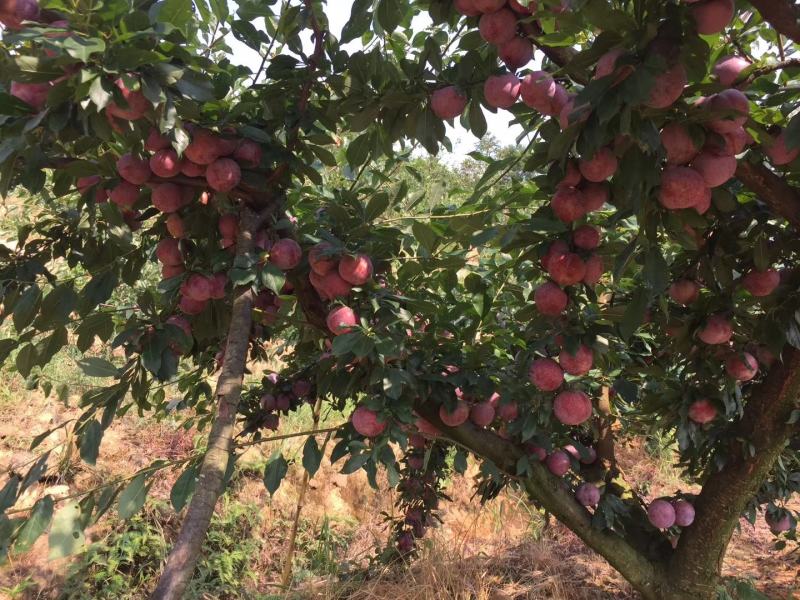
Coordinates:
781 198
293 136
647 577
766 70
784 16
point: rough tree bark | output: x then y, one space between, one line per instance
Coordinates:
182 559
649 578
756 443
783 15
773 190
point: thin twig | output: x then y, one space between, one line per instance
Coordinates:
269 49
766 70
287 436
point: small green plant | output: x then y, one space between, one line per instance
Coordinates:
19 590
320 551
125 563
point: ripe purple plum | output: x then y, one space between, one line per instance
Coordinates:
546 374
572 407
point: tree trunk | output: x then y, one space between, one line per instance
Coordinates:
783 15
759 439
182 559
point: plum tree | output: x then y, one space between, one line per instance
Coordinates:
273 202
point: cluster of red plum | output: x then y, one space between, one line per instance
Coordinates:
696 161
419 495
284 396
333 275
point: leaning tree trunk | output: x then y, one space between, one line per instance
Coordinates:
693 571
757 442
182 559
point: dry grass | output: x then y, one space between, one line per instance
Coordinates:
503 550
549 568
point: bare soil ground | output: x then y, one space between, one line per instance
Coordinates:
503 550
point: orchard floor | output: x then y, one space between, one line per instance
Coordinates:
503 550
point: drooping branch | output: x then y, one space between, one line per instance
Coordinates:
756 442
773 190
783 15
647 577
182 559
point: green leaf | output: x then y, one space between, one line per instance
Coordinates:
66 535
429 130
100 93
196 86
425 235
634 313
8 495
476 119
82 48
26 307
7 346
26 359
761 254
358 23
35 473
656 270
342 344
94 366
312 456
274 473
792 133
132 497
376 206
390 13
178 13
57 306
98 290
183 488
35 525
359 150
90 438
355 462
98 324
273 278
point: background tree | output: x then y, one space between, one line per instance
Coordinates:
632 263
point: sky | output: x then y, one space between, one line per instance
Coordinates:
463 141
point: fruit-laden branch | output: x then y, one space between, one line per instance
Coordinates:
756 443
182 559
783 15
781 198
775 191
647 577
562 56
